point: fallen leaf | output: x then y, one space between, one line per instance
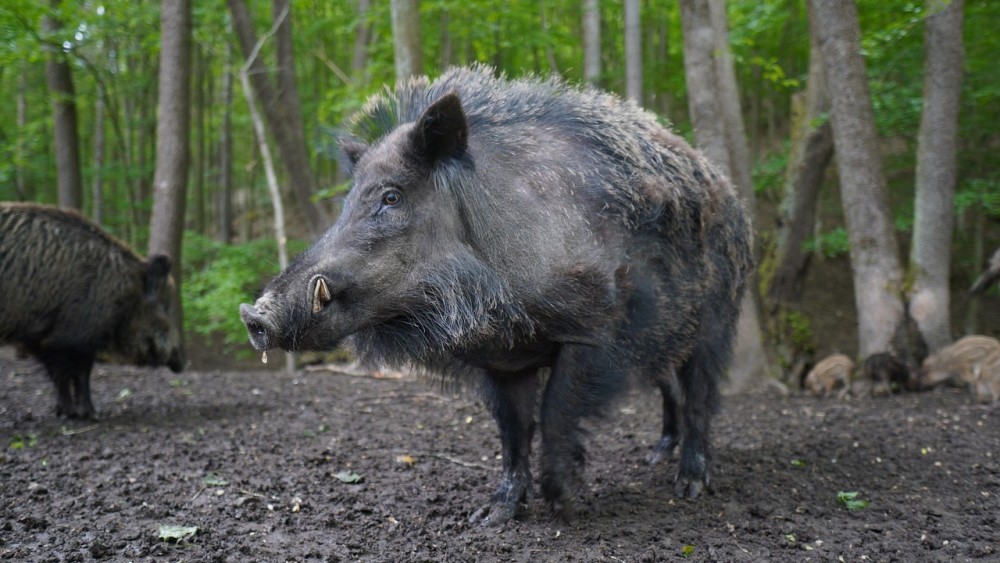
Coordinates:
177 533
409 460
213 480
348 477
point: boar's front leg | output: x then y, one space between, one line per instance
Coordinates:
70 372
511 398
584 379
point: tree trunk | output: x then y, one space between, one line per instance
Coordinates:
20 181
362 37
97 182
633 52
261 135
874 253
278 111
740 168
173 126
224 203
406 38
592 41
937 142
707 104
199 123
700 77
59 78
809 156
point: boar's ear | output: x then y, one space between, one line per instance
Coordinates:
351 149
441 132
157 270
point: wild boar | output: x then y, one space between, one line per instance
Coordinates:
886 373
501 228
71 291
987 379
958 363
830 374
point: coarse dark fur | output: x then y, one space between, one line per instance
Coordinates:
71 291
887 373
500 229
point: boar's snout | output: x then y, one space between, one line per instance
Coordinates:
258 327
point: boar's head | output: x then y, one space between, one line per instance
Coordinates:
152 335
398 268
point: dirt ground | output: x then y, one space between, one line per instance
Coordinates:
256 461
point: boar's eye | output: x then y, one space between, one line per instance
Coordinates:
391 198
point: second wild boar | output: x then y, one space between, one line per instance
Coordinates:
71 291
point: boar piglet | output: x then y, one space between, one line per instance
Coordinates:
497 230
832 373
71 291
958 363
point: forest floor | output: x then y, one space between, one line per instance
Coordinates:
257 461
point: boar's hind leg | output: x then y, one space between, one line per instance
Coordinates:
699 378
512 399
664 448
583 380
70 372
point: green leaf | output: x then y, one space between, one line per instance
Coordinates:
348 477
687 550
850 500
21 441
213 480
798 463
123 395
177 533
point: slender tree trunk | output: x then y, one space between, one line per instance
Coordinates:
707 102
592 41
729 99
278 110
261 135
875 260
199 123
937 171
406 38
633 51
810 154
700 76
224 205
20 181
172 132
97 182
362 37
59 78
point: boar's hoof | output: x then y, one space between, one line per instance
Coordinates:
692 478
494 514
513 489
663 450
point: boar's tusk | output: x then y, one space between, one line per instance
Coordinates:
321 295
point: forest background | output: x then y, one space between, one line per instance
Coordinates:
135 113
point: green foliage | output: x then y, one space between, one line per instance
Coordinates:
769 173
830 244
218 277
979 193
850 500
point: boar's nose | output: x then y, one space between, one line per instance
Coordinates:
258 327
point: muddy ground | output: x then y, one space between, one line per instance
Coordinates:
255 460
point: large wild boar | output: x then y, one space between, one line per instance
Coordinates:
496 228
70 291
958 363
